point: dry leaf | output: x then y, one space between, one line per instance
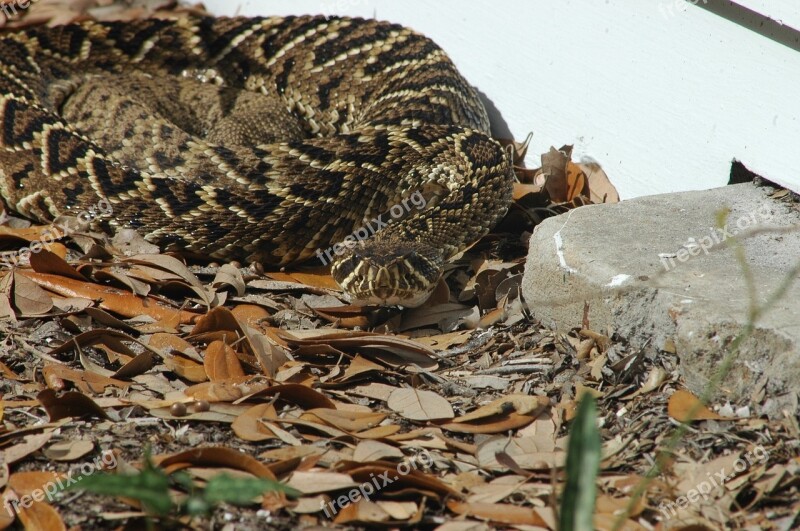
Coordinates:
418 404
681 403
29 298
70 404
221 362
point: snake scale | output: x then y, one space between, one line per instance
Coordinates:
264 139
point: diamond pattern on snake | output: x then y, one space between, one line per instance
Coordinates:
276 140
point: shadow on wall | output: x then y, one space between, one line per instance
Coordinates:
753 21
499 127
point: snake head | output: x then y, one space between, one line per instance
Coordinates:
388 272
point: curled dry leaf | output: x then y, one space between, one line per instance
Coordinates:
296 394
349 421
70 404
112 299
215 457
403 478
229 276
176 267
519 403
392 350
498 424
85 381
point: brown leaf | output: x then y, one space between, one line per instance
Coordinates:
41 516
215 457
70 404
219 319
349 421
250 426
600 188
30 443
519 403
318 481
26 482
29 298
47 262
117 276
298 395
395 351
110 338
86 381
229 276
576 181
359 369
554 167
418 404
112 299
221 362
681 403
415 480
186 368
319 280
224 391
497 424
68 450
499 512
521 190
178 268
140 364
250 314
349 316
36 233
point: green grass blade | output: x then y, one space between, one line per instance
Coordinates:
583 463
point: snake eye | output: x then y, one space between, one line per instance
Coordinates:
389 272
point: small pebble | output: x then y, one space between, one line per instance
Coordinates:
199 406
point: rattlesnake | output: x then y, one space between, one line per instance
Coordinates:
264 139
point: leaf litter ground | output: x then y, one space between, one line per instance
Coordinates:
454 415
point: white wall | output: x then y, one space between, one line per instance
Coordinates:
663 94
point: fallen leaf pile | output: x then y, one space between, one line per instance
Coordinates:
453 415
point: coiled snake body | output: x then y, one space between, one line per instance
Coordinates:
265 139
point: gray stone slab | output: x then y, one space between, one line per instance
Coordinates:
658 270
